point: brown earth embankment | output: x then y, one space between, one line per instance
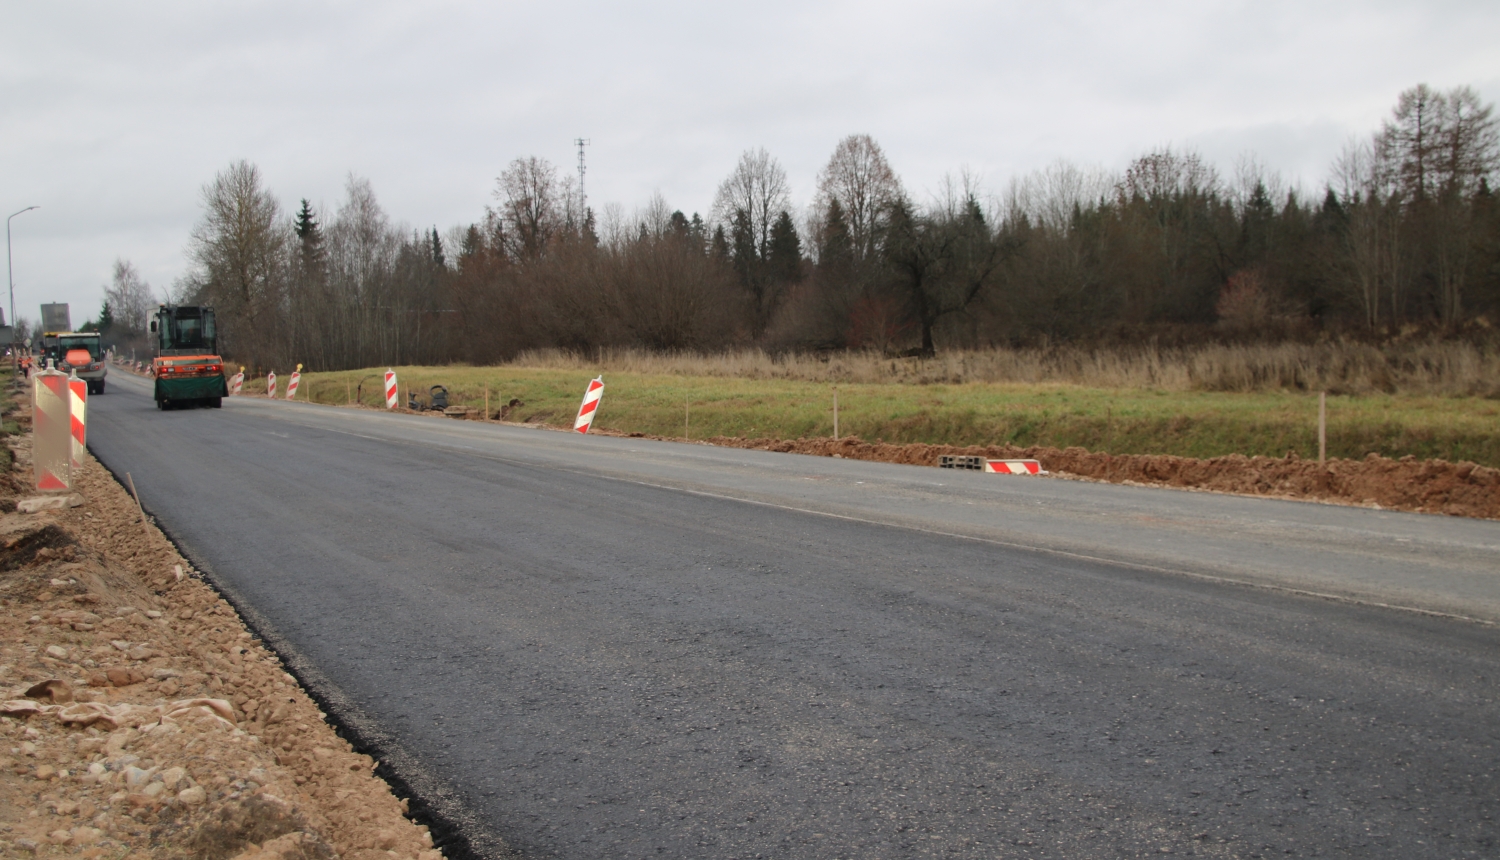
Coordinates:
1407 484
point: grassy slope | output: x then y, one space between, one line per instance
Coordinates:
1127 421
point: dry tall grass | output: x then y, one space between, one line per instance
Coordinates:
1340 367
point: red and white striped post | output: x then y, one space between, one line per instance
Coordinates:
271 385
238 383
392 394
51 441
590 405
78 406
291 386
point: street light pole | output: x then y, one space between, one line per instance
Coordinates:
9 275
9 269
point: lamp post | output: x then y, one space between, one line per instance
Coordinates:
10 277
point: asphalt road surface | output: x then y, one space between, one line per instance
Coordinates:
587 647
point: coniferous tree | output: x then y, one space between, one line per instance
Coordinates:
310 235
719 248
785 258
835 248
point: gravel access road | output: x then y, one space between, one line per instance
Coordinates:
589 647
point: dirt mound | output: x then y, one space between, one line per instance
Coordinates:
1408 484
140 718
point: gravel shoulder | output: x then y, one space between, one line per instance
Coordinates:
139 717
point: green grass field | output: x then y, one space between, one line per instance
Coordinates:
1120 421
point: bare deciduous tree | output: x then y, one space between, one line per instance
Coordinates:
1049 197
860 179
130 303
1165 174
533 205
758 189
238 256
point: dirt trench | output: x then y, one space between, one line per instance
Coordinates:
1408 484
140 718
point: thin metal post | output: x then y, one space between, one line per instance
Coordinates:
10 277
1322 428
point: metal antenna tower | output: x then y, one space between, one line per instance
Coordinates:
583 198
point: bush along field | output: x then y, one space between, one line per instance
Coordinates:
1196 424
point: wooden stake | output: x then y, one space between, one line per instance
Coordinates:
835 413
1322 428
145 526
486 401
685 401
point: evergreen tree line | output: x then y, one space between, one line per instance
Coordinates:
1406 232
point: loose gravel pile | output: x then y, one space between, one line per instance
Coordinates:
140 718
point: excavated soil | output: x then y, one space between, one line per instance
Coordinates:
1408 484
140 718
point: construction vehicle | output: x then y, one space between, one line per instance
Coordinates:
187 367
77 351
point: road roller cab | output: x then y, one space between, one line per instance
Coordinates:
187 366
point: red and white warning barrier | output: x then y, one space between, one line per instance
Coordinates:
271 385
51 439
1014 467
590 405
237 382
78 422
291 385
392 398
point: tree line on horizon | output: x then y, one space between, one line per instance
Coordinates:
1404 234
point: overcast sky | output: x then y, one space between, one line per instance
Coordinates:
114 115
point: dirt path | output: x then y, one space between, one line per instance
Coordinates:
140 718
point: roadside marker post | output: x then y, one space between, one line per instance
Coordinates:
51 439
291 385
78 406
1322 429
238 382
591 397
271 385
392 393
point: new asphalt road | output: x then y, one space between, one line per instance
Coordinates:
587 647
